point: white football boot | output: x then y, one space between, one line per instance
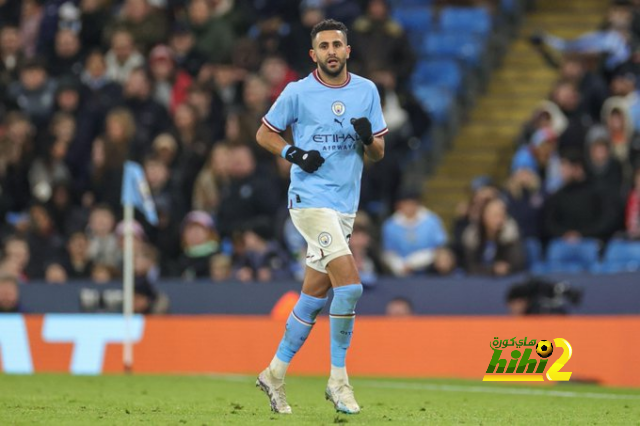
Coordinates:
274 389
341 396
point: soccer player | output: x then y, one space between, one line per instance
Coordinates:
336 119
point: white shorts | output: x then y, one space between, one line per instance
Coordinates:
327 233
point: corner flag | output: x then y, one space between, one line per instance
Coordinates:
135 191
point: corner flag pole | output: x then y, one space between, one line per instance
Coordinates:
127 306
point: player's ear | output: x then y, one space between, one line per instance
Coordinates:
348 51
312 54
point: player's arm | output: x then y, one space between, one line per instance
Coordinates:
272 141
373 145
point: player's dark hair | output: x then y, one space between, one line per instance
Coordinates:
328 25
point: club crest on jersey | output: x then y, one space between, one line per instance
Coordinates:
324 239
338 108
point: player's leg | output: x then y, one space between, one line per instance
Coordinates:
347 290
301 320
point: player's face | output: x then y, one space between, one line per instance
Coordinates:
330 51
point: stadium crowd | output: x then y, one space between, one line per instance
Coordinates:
180 86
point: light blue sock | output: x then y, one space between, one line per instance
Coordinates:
299 325
341 318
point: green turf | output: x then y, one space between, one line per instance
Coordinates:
166 400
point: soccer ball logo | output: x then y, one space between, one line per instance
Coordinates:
544 348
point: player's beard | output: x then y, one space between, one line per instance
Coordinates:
331 73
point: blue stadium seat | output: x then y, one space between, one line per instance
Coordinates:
583 253
534 251
464 47
444 73
414 19
621 256
436 100
474 20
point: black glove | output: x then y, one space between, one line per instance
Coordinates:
309 161
363 129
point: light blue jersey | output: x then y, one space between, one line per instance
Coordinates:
320 118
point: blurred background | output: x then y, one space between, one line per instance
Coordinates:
511 182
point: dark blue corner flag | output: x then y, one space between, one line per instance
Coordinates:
135 191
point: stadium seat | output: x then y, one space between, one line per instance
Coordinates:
583 253
474 20
543 268
464 47
619 256
444 73
534 251
436 100
414 19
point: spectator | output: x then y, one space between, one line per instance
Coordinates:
493 245
579 209
146 26
482 191
365 252
211 179
11 56
182 42
55 274
262 259
246 195
103 274
94 16
9 294
399 307
165 148
377 31
34 92
50 169
220 268
77 261
617 119
214 36
16 257
147 299
45 243
566 96
170 84
32 13
603 169
411 235
67 55
151 118
123 57
200 242
632 216
16 153
194 143
541 156
525 198
444 262
103 244
276 72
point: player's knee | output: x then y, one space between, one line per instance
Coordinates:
345 299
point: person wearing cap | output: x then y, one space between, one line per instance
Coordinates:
170 83
411 235
200 241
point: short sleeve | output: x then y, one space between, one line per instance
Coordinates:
282 112
378 125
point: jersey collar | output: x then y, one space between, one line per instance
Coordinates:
316 75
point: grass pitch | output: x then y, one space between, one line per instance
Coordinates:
180 400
